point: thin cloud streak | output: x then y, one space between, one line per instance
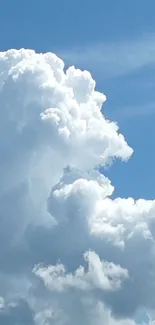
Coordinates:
139 111
113 59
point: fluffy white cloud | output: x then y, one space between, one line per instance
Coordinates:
100 275
115 220
56 207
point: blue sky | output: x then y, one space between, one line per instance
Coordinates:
115 41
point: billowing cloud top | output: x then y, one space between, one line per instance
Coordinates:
69 254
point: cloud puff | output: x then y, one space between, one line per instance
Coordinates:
69 253
100 274
88 199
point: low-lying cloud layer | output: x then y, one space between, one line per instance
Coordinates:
69 254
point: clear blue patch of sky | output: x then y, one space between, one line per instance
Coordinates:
57 23
51 25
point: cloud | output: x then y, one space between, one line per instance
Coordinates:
69 253
113 59
100 275
117 219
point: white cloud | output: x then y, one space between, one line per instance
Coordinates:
100 275
116 220
48 117
56 206
2 303
49 316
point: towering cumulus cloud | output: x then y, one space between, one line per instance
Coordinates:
69 253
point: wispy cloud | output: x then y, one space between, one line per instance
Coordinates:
133 111
113 59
